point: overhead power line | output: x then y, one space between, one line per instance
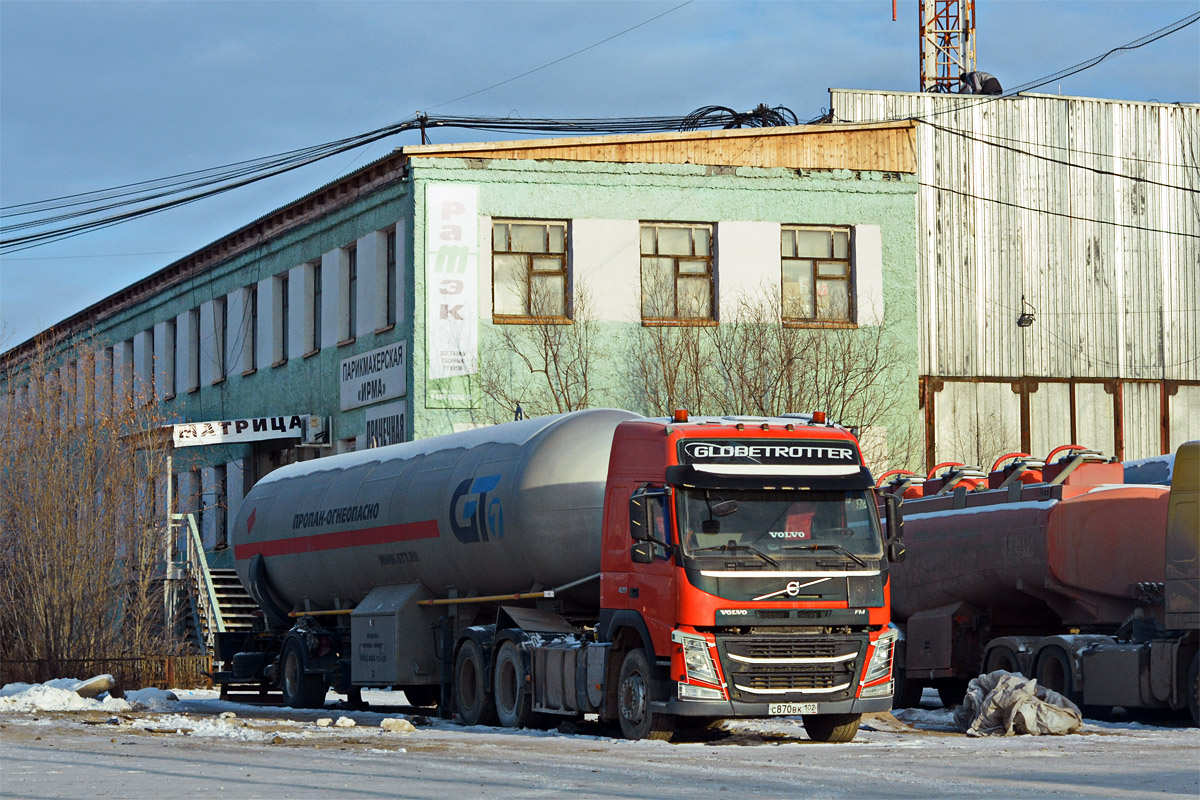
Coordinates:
1098 170
971 101
1063 214
59 218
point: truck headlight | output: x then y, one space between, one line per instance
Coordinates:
880 665
697 661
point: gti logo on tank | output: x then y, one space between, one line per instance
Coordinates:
475 517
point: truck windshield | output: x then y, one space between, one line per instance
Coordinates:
775 526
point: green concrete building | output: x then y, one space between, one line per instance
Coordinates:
436 289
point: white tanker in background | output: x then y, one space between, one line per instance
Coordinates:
593 562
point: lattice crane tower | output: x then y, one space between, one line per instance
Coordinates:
947 43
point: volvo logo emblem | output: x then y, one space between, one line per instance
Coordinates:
793 588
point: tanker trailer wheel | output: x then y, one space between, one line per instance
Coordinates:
300 690
425 694
1054 671
510 688
833 728
1002 657
472 699
633 701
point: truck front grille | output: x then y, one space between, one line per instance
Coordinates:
761 668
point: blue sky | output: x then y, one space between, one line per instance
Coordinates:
98 94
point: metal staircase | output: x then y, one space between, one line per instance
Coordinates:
214 599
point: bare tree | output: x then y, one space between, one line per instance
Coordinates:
81 524
755 363
545 363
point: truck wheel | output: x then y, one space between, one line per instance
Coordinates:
1054 672
951 691
906 692
514 705
833 728
1194 690
472 700
300 689
1002 657
633 701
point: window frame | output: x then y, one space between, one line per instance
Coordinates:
563 272
389 315
710 273
281 319
250 343
351 306
814 321
315 299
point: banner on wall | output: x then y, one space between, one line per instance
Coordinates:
452 294
373 376
385 424
309 428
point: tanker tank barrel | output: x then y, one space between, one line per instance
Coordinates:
475 513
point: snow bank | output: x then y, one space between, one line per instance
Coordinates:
44 697
64 694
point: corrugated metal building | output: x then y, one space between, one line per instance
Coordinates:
1082 212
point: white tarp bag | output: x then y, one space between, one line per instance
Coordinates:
1001 703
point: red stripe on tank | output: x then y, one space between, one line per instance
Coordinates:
385 534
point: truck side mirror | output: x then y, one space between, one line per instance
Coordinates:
639 530
642 553
895 528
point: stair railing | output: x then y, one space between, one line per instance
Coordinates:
196 565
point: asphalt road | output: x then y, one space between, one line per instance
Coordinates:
50 755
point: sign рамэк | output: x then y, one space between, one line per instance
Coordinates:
373 376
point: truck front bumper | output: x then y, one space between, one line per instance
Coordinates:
730 709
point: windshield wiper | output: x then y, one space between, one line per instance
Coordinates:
733 548
836 547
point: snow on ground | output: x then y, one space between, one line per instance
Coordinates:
201 713
214 747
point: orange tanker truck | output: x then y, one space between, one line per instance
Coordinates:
653 572
1056 569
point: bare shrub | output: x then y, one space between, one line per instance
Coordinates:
82 533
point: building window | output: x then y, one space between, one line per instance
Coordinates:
390 300
193 350
250 347
351 292
166 371
281 333
220 336
315 343
677 272
816 275
529 269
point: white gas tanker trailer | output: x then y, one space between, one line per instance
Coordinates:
644 570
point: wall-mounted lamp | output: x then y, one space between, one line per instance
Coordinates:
1026 318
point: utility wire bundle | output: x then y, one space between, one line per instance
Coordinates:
58 218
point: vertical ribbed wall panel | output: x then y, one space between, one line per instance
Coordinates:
1111 265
